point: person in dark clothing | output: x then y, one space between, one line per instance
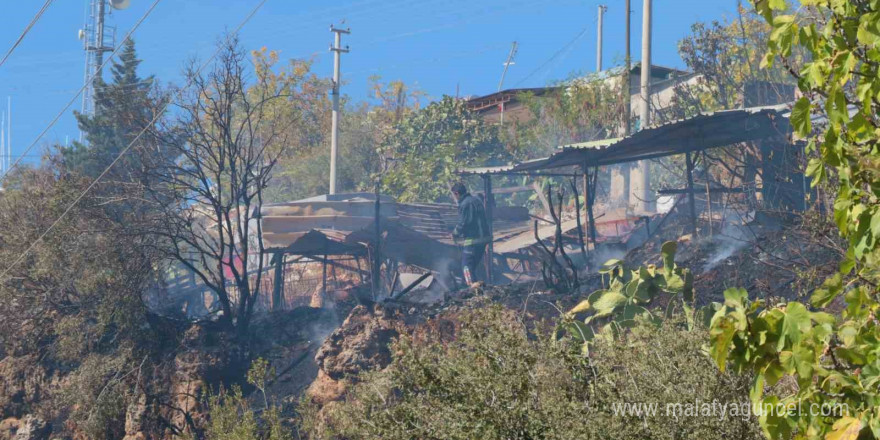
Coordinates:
471 230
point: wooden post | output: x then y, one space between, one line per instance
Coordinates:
278 286
357 260
589 198
376 263
324 276
489 202
689 162
577 215
708 194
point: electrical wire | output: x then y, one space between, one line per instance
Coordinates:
127 148
562 50
74 98
26 30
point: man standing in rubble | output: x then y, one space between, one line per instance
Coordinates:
471 231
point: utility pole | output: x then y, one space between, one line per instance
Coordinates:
644 192
627 98
2 143
620 174
8 133
602 9
337 50
507 64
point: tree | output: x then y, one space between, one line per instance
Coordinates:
305 117
302 169
123 108
208 190
833 359
579 110
725 57
430 145
73 307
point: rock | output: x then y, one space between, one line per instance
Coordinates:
33 428
317 300
134 419
325 389
23 382
8 427
361 343
207 358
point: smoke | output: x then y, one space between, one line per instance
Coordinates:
319 330
603 253
732 238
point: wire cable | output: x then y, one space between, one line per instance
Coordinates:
74 98
562 50
26 30
127 148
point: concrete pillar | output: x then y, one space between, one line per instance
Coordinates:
641 195
619 191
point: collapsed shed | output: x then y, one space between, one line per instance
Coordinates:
783 185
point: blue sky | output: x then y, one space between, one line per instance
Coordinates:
438 45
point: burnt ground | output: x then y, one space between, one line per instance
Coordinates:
782 261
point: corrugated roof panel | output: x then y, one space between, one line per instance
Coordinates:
708 130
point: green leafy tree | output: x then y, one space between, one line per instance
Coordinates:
578 110
834 359
430 145
123 108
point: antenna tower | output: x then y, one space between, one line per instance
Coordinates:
97 39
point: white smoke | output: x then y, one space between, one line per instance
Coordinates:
732 238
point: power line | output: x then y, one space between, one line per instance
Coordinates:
127 148
73 99
553 57
26 30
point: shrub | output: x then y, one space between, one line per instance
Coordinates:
667 367
231 416
496 380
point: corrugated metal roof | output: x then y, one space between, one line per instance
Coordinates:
601 143
708 130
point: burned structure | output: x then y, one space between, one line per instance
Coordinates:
776 180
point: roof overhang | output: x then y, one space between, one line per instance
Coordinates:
701 132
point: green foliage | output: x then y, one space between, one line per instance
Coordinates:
78 290
123 108
833 359
727 56
579 110
498 381
629 294
302 169
232 416
666 365
428 147
98 394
